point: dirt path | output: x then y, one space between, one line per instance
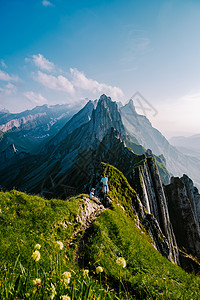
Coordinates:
88 214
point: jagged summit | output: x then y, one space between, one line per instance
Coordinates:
129 108
105 116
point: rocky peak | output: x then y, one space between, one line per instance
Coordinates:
104 117
129 108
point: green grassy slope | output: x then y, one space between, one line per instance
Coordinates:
27 220
147 274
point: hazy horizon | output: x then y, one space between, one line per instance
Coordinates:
56 52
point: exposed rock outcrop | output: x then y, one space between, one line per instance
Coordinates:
183 202
89 212
148 183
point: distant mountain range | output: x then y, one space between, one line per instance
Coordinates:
188 145
63 144
29 129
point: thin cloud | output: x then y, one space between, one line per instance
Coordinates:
35 98
59 83
80 81
3 64
41 62
6 77
47 3
8 90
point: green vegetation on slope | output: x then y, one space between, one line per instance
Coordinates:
120 189
148 275
27 220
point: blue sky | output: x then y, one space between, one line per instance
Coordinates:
62 51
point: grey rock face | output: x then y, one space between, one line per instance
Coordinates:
79 119
105 116
183 203
157 215
21 121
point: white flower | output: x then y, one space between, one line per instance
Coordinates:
37 281
86 272
59 244
36 255
65 297
99 270
121 262
66 276
0 211
37 247
53 291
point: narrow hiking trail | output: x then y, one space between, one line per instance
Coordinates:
88 214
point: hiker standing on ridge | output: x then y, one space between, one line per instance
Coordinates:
104 180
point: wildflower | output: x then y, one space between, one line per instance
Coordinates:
85 273
66 278
37 281
65 297
53 291
37 247
121 262
36 255
99 270
0 211
59 244
27 295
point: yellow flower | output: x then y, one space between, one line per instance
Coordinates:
121 262
36 255
59 244
37 281
99 270
37 247
86 272
65 297
53 291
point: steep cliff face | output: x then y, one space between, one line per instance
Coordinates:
183 203
79 119
147 182
103 118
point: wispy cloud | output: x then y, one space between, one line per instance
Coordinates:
59 83
35 98
136 46
3 64
47 3
42 63
80 81
8 90
6 77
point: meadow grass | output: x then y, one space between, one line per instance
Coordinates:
147 274
27 221
39 258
